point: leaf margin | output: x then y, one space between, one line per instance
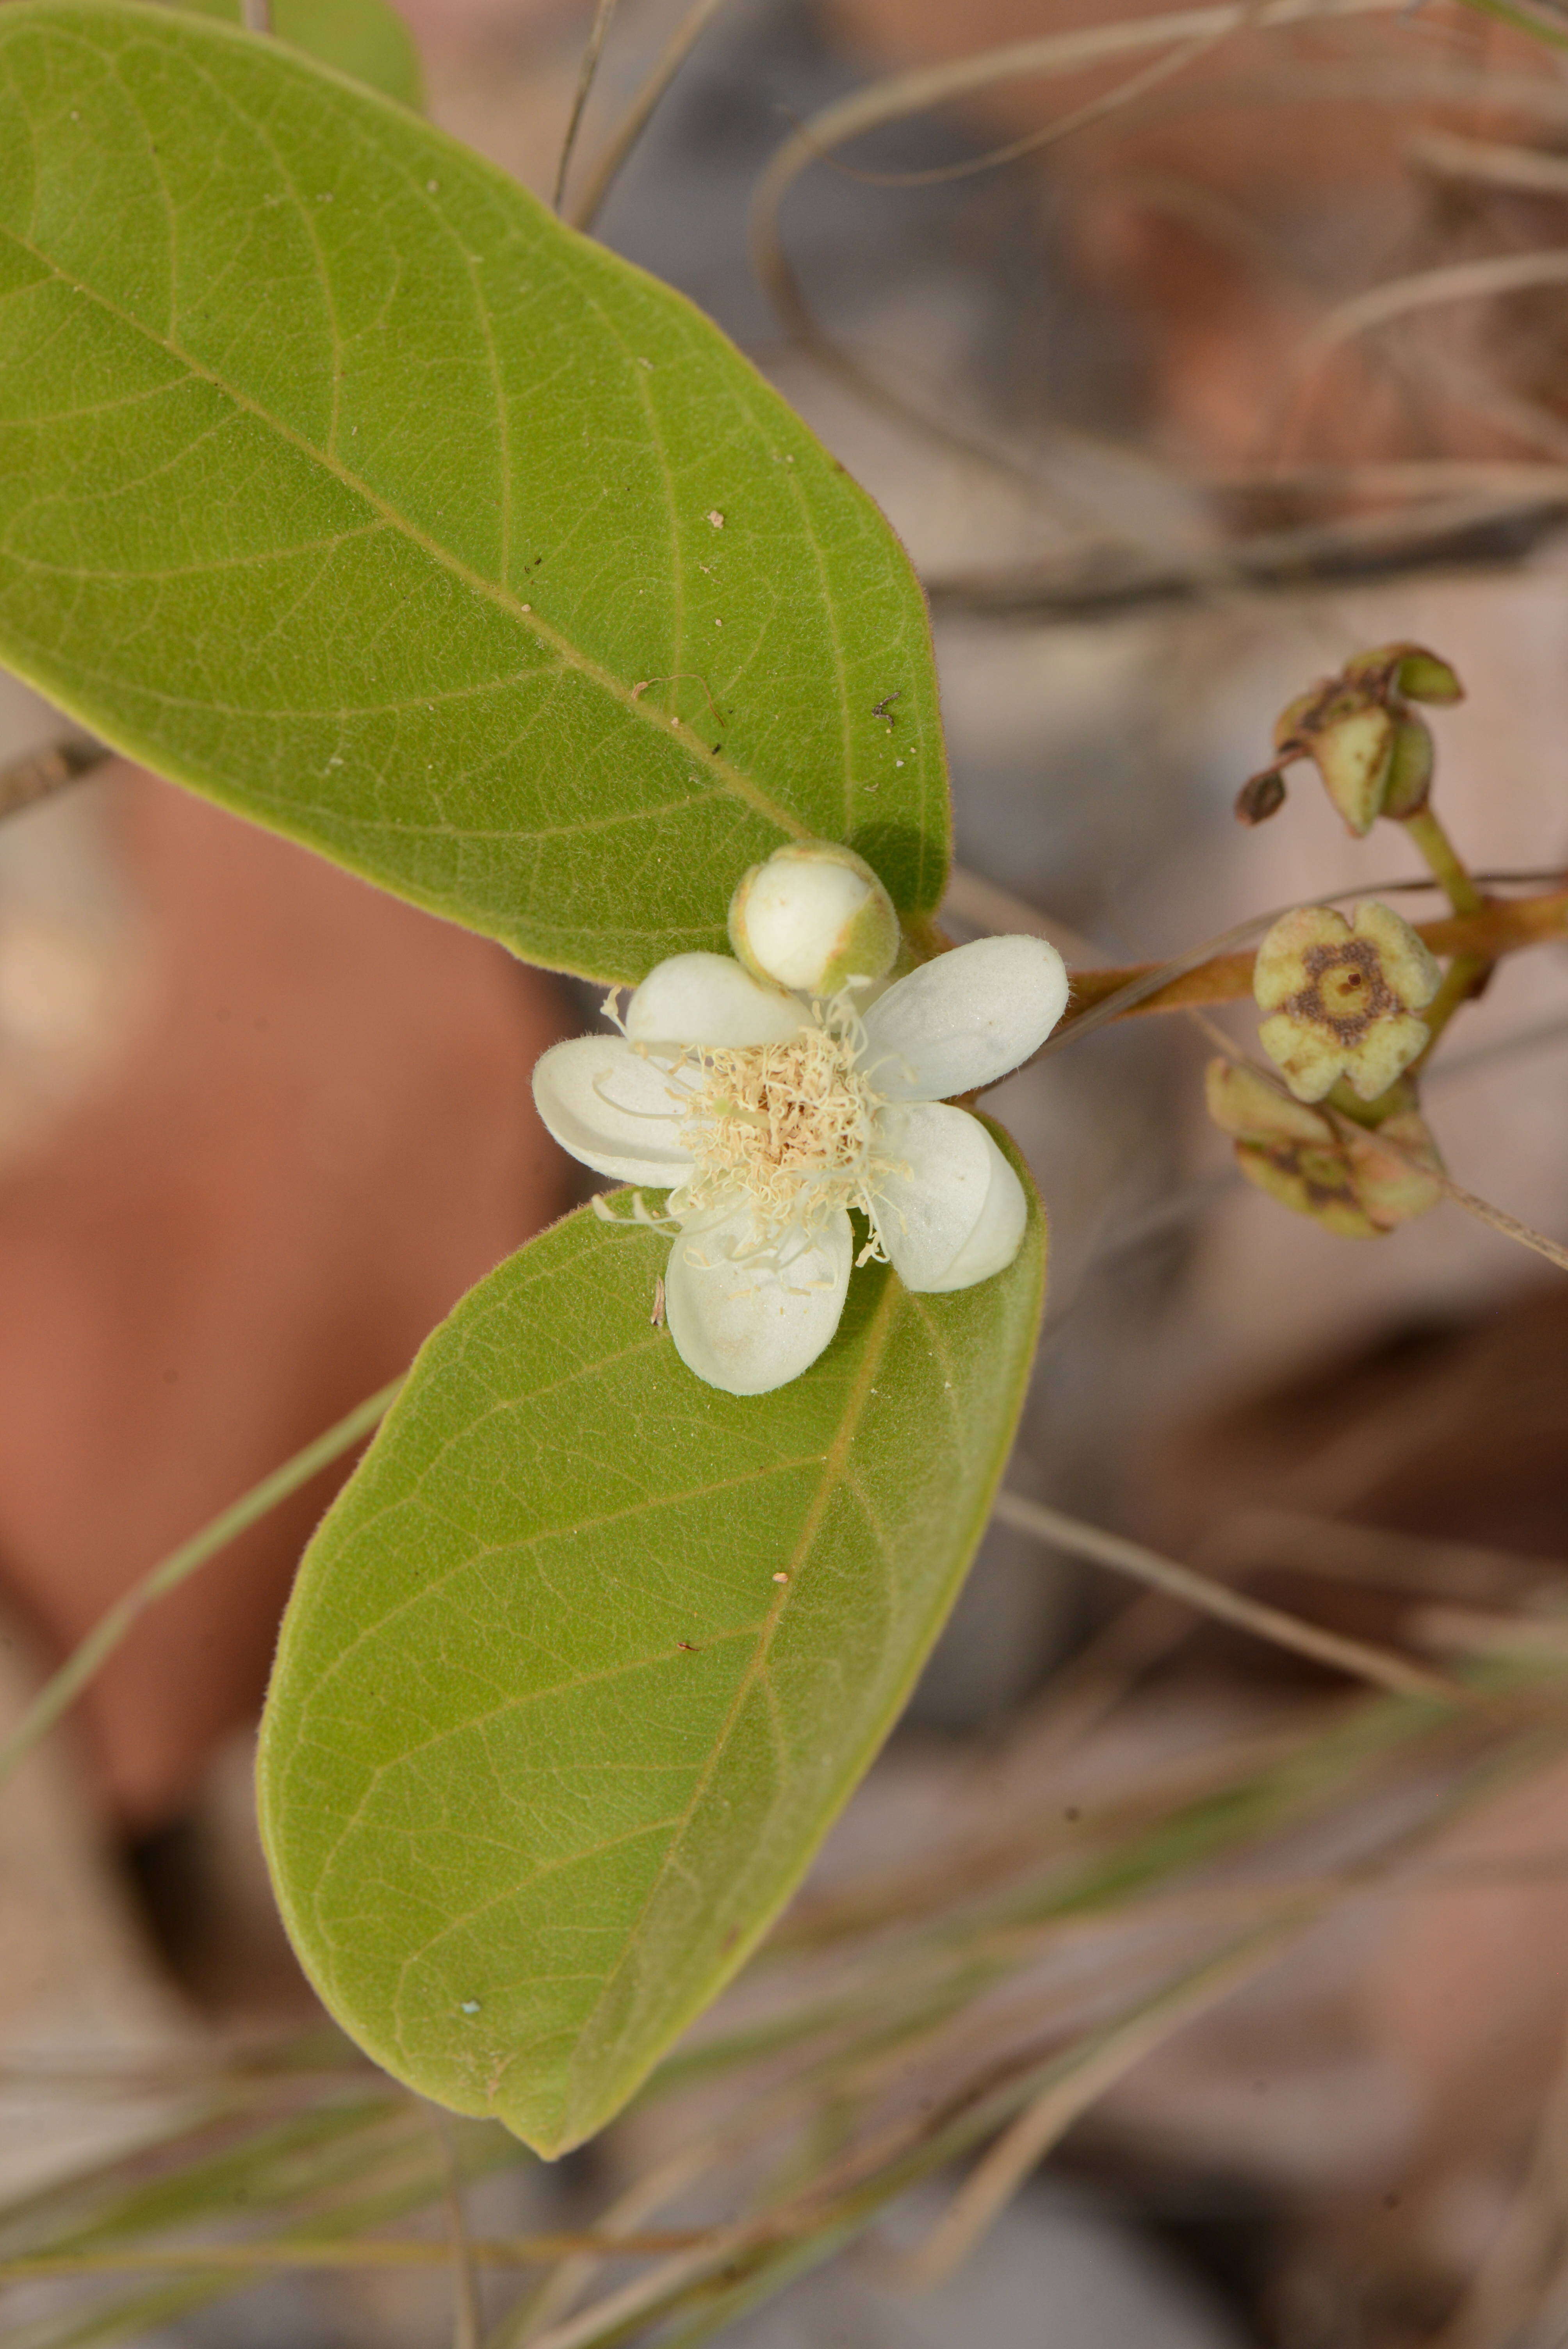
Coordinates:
853 1765
134 739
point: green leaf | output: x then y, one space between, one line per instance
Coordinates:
340 482
365 39
549 1741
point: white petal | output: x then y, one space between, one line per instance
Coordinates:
708 998
997 1236
749 1326
958 1213
613 1109
965 1019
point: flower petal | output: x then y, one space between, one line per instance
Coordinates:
1386 1052
1308 1056
708 998
963 1020
745 1322
614 1109
1410 968
1243 1103
957 1213
1279 969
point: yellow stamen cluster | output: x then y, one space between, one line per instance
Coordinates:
790 1126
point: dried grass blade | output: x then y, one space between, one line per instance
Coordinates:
987 907
904 95
598 32
1363 1661
465 2296
900 96
1494 165
557 2294
1343 1549
1006 2165
1148 77
1425 289
612 158
356 2251
1487 1632
62 1689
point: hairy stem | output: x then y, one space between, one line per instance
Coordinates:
1448 867
1467 974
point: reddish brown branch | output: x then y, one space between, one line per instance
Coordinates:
1502 927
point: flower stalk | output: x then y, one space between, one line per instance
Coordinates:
1467 974
1448 868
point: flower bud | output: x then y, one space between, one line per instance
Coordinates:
1244 1105
813 917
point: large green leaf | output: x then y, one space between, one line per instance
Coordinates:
587 1656
364 38
340 482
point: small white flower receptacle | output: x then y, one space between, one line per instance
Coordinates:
770 1116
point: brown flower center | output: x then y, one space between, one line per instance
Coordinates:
1346 991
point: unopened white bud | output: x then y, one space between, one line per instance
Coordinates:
813 917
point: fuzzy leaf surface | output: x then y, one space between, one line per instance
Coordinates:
365 39
549 1740
340 482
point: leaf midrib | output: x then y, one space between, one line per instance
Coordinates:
832 1475
729 776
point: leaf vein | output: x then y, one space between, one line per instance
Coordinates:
729 776
833 1468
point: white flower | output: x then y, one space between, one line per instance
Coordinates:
769 1117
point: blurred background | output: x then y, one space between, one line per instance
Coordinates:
1252 356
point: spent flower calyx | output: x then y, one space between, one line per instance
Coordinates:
1343 997
1347 1179
1372 750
